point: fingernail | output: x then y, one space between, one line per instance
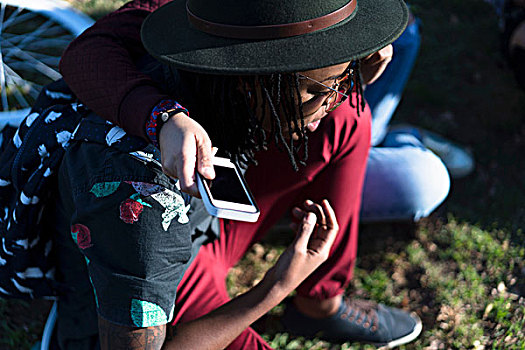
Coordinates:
208 172
214 150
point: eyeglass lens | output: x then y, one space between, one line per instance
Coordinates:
336 99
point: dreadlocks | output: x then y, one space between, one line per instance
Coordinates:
233 109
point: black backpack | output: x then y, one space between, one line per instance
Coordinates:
29 159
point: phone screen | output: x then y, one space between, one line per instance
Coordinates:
227 186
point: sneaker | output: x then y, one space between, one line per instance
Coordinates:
356 321
457 159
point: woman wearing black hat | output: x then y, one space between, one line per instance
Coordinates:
237 63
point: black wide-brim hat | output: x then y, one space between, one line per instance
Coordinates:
237 37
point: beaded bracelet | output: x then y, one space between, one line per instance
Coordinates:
159 115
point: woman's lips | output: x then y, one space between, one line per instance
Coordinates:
313 125
317 117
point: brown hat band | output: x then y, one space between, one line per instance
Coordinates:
274 31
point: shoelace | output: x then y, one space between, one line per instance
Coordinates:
364 312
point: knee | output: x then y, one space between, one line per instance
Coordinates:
403 183
427 184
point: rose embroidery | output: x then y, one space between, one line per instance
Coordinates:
130 211
81 235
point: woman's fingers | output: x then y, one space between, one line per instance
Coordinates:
204 156
185 146
186 167
317 209
329 231
331 219
324 212
306 228
325 220
310 248
325 232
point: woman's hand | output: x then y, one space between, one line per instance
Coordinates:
375 64
316 231
186 147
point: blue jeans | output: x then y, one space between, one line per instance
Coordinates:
404 180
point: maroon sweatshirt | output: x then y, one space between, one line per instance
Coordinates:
100 67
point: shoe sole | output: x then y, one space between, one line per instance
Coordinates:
403 340
407 338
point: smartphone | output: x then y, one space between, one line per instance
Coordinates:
228 196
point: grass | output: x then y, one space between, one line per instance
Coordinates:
462 270
462 281
97 8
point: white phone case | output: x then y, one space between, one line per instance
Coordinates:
224 209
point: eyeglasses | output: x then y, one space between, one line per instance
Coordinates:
338 91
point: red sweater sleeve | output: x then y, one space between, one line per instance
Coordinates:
99 66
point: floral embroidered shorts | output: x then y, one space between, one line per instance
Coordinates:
125 233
